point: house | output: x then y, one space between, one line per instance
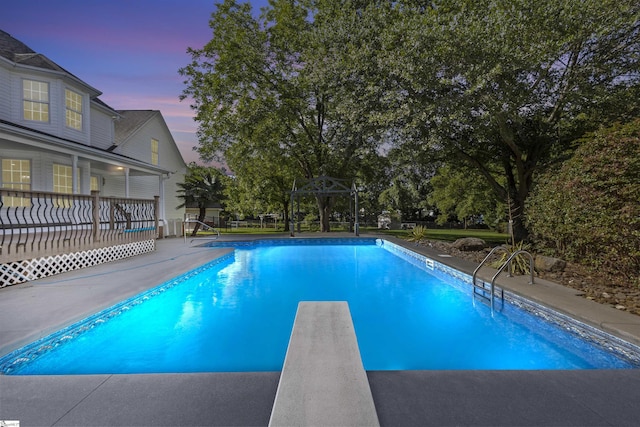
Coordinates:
58 137
144 135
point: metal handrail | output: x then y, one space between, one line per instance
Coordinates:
475 272
200 238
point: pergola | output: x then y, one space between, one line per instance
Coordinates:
325 186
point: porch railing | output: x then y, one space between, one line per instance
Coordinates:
34 224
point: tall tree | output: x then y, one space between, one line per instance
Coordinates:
202 187
263 181
461 193
507 83
252 85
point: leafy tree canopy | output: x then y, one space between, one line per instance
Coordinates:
253 86
262 181
461 193
492 83
502 85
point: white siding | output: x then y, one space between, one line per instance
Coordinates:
139 147
143 187
98 132
169 158
40 181
113 186
5 94
11 106
101 129
171 199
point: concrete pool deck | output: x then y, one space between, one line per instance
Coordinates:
401 398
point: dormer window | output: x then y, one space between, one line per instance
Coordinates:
73 104
35 100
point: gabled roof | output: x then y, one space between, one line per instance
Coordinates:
16 51
19 53
10 47
129 123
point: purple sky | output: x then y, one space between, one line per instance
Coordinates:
130 50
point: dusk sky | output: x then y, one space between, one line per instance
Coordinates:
130 50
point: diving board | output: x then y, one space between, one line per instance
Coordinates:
323 381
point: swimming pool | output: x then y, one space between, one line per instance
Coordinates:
236 314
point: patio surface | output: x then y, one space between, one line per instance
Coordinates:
402 398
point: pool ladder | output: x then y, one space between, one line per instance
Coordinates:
480 288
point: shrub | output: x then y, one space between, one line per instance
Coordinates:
588 209
520 264
418 234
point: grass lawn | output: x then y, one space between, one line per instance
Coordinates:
448 235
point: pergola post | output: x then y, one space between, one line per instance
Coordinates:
291 223
356 225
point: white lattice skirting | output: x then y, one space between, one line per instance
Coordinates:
32 269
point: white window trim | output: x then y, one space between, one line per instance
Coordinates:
79 112
36 101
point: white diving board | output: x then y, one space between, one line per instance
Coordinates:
323 382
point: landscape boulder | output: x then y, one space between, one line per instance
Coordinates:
547 263
468 244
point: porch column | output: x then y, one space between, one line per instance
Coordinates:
161 213
126 182
74 175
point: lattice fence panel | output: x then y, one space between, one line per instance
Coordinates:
27 270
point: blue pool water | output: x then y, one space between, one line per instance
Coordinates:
237 315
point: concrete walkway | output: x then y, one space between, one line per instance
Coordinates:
402 398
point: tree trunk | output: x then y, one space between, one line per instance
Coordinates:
325 205
201 215
516 209
520 232
285 203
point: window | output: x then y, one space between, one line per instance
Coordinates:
62 183
154 151
94 183
73 105
35 100
16 175
62 179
